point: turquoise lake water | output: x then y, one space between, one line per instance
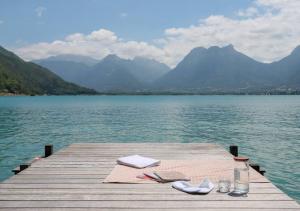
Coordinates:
266 128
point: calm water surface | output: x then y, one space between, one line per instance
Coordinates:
266 128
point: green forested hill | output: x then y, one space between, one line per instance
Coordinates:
20 77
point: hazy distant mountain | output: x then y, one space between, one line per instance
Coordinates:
213 68
147 70
287 70
133 74
226 70
20 77
71 58
112 74
68 70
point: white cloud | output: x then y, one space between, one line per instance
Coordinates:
249 12
40 11
103 36
97 44
267 35
267 31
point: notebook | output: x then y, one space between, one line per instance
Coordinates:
137 161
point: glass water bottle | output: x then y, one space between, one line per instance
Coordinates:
241 176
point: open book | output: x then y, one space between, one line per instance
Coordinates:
138 161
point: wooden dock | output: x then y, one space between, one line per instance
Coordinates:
71 179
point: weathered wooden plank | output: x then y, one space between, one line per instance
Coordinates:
147 144
167 187
74 168
105 166
103 159
56 176
50 163
48 180
138 149
146 209
113 191
143 149
140 197
101 175
53 181
154 146
160 150
165 155
156 155
152 204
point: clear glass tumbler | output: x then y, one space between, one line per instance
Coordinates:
224 185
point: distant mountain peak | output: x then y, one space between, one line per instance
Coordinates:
111 57
227 48
200 50
214 48
71 58
296 50
230 46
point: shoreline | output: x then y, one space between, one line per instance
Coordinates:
156 94
11 95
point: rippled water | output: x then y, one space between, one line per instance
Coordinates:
266 128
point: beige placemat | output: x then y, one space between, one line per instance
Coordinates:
196 170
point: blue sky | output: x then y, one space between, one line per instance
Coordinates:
164 30
139 20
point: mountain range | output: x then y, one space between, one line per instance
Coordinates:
111 74
215 70
20 77
225 70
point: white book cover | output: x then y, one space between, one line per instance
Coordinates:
138 161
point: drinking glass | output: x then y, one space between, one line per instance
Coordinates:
224 185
